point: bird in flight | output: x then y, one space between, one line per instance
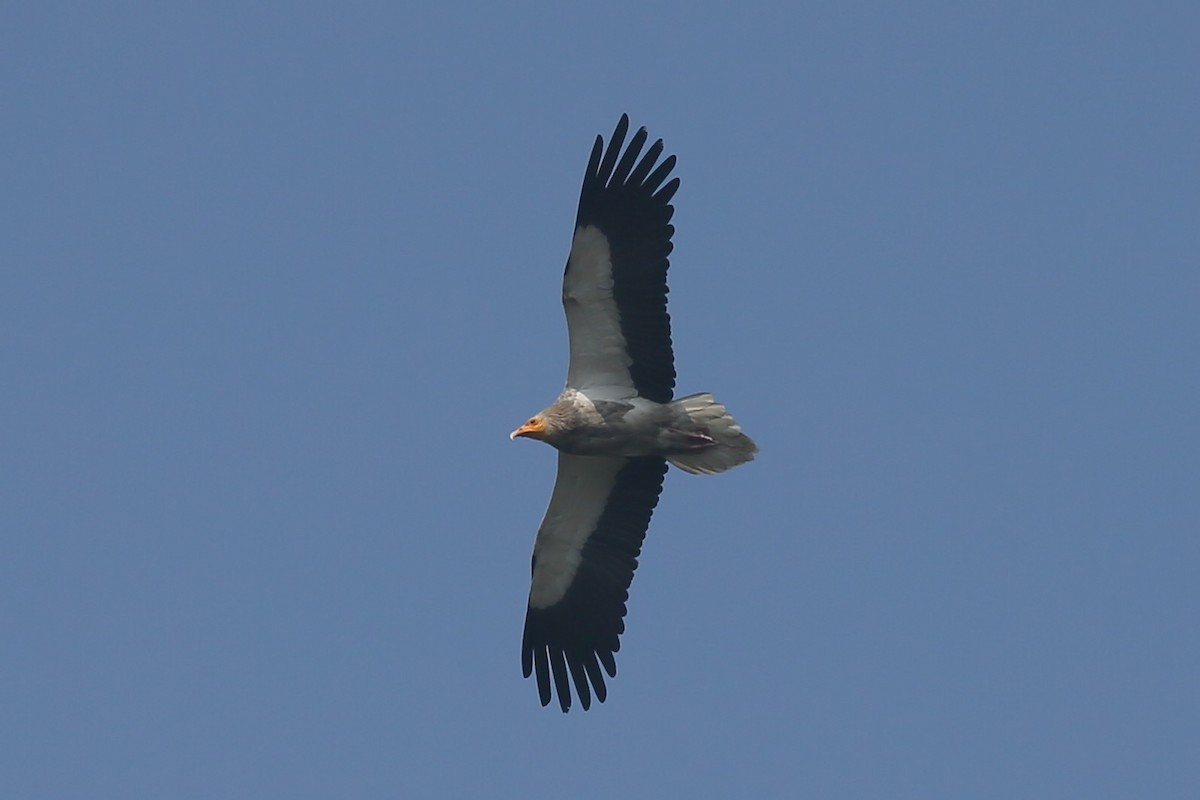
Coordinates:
615 425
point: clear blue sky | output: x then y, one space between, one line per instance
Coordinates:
276 283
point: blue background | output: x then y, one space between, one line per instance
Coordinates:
277 281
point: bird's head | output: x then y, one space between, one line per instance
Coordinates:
534 428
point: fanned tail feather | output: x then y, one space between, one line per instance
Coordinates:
730 446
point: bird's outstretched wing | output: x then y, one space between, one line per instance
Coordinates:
583 561
615 284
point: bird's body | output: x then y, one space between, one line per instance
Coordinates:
615 424
680 431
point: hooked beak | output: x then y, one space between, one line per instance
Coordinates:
534 429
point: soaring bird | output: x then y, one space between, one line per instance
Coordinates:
615 425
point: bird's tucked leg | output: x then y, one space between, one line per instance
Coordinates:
698 440
686 441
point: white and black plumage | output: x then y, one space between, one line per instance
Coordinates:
615 424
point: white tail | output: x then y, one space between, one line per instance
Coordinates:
732 447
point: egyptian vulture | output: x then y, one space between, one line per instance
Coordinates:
615 425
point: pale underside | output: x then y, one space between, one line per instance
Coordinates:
599 362
598 368
581 489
